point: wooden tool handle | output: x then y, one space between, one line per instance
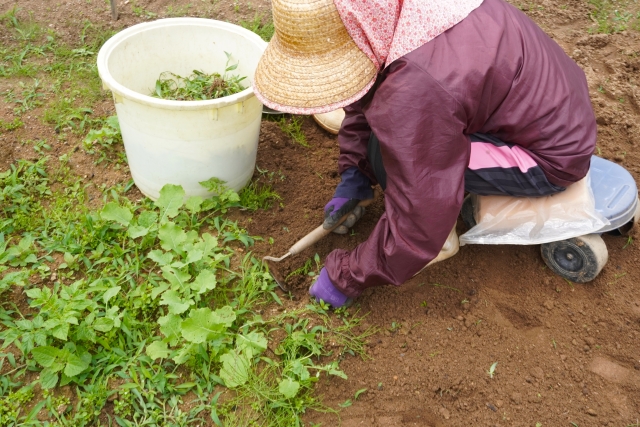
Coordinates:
321 232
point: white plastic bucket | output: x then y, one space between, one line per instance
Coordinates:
183 142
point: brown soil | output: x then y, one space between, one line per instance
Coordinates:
567 354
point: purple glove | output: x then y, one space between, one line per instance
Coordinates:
339 207
324 290
353 188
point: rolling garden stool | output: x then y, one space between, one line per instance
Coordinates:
580 259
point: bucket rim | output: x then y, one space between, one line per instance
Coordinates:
110 83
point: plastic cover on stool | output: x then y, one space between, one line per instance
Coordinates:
530 221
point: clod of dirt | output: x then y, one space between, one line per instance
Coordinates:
445 413
537 373
548 305
592 412
594 40
516 398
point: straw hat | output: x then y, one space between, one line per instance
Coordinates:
311 65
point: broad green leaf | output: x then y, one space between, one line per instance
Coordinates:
193 255
235 369
158 350
170 201
35 293
205 281
110 293
69 259
253 343
61 332
147 219
338 373
175 302
300 370
85 333
24 324
45 356
75 365
17 278
114 212
162 258
194 204
170 326
202 325
207 245
288 387
158 290
185 353
136 231
172 237
177 278
225 316
48 379
178 265
103 324
113 122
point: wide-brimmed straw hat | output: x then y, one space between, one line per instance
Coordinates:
311 65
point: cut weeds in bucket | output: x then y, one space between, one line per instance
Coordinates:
199 86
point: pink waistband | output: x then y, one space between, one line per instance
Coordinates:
486 155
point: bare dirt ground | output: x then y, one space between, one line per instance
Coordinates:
568 354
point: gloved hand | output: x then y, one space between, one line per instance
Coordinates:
324 290
353 188
339 207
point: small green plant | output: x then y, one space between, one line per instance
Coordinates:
30 97
492 369
257 26
292 126
141 11
311 267
198 86
9 126
437 285
256 196
105 137
358 393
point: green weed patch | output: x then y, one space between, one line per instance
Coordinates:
614 16
137 304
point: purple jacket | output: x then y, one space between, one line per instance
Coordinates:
497 73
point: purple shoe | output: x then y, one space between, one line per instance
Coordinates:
324 290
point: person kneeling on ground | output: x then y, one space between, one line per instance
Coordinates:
441 97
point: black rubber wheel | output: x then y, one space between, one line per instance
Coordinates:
467 212
579 259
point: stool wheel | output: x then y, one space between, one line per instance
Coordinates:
579 259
